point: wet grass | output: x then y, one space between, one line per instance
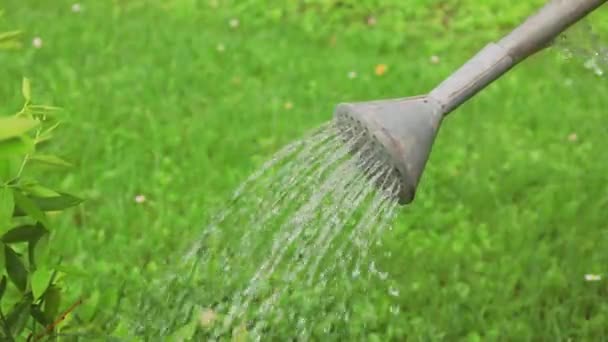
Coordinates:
179 101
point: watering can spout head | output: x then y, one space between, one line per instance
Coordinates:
401 132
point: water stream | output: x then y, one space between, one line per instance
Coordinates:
271 259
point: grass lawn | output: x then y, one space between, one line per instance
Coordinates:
178 101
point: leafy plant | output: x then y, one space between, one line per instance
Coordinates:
9 40
26 281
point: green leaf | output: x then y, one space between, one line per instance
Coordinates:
10 45
50 160
57 203
52 300
9 168
87 312
26 206
41 280
39 316
6 36
37 250
25 233
26 89
122 328
2 259
18 146
185 333
44 108
240 334
34 189
73 271
17 318
7 207
2 286
47 134
15 268
15 126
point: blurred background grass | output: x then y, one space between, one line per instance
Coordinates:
178 101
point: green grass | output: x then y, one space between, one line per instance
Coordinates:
508 219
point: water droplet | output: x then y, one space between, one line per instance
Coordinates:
301 323
372 267
394 309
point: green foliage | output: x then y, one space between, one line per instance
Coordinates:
24 224
9 41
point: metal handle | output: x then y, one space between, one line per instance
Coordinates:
539 30
536 33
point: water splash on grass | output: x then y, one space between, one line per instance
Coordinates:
286 250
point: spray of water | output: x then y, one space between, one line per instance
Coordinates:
584 42
296 230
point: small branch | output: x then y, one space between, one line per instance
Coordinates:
49 329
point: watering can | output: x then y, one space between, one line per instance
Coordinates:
403 130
